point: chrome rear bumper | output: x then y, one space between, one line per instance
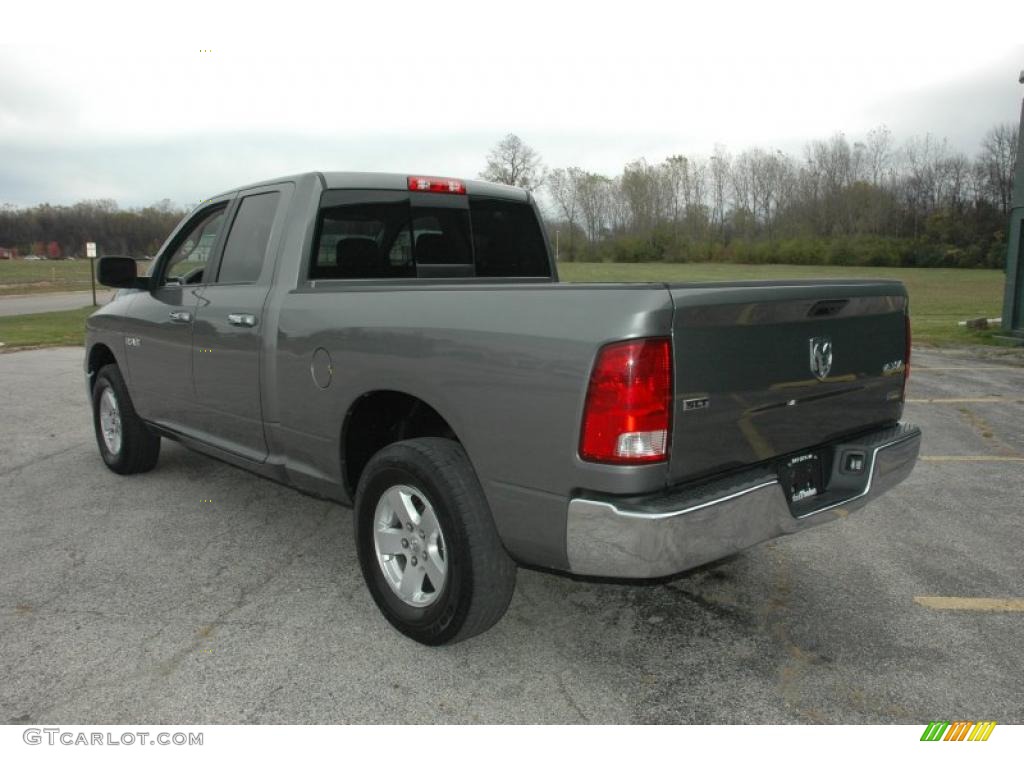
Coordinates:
659 535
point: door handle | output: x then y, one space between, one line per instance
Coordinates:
245 321
181 317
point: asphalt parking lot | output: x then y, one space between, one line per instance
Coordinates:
200 593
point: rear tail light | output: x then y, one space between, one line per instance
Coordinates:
906 355
627 414
433 184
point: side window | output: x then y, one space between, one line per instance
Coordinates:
246 247
363 241
187 262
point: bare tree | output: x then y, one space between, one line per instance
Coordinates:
516 163
741 183
761 183
564 185
695 197
642 188
878 155
923 178
998 158
676 175
720 165
772 184
595 201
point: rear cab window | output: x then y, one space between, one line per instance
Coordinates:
368 240
507 239
396 235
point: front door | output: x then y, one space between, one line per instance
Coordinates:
159 352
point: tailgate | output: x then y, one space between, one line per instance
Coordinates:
763 370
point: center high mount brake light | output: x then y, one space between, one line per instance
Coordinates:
436 184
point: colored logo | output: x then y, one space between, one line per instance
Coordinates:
958 730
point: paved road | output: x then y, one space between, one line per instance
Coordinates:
50 302
134 600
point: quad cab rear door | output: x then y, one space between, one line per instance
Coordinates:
228 343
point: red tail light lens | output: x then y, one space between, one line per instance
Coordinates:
627 414
906 355
432 184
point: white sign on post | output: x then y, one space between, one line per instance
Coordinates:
90 250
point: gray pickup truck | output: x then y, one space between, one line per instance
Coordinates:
402 344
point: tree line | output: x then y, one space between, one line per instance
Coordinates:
61 231
873 202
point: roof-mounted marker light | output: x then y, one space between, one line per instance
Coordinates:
435 184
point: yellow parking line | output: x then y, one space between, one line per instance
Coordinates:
972 458
962 400
999 604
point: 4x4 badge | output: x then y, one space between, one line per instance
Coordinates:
821 357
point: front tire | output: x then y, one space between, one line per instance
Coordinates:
126 444
428 549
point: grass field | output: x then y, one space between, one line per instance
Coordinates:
19 277
938 297
48 329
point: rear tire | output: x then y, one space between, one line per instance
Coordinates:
428 549
126 444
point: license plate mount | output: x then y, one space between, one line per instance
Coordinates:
801 476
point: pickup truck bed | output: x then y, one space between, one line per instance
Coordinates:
737 411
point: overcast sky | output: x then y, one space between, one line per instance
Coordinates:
98 101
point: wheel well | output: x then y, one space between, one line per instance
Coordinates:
378 419
99 356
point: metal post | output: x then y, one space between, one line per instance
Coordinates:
92 277
1013 300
